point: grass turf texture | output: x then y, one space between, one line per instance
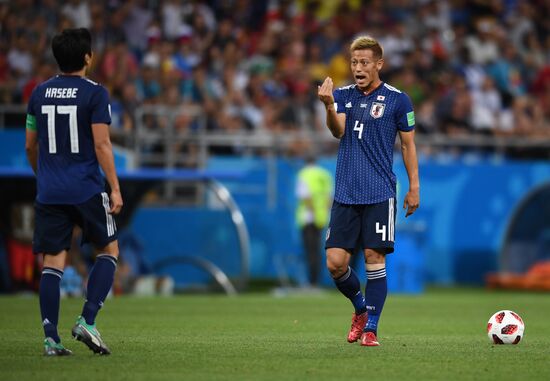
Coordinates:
440 335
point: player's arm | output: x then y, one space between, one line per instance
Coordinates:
336 122
408 150
31 142
104 153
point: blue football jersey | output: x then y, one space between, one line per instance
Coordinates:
65 107
364 170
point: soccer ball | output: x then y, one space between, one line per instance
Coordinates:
505 327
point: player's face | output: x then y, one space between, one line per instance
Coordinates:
365 68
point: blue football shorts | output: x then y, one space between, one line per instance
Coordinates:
54 224
367 226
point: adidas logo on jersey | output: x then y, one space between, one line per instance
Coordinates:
348 105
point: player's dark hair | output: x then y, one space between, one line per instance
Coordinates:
70 48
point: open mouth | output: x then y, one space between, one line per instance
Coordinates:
360 77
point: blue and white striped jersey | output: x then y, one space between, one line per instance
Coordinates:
65 107
364 173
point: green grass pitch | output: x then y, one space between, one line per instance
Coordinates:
439 335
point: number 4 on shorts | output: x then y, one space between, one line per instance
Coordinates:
381 230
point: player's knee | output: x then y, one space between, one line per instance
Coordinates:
110 249
375 257
55 261
337 265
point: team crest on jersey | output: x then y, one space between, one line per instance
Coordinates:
377 109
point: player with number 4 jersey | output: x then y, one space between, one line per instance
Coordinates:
67 141
367 116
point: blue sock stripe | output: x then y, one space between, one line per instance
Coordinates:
108 257
376 271
52 271
376 277
344 277
376 274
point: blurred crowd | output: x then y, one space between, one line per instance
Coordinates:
470 66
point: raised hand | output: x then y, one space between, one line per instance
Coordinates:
324 92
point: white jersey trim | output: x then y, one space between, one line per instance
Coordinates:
111 226
391 220
389 87
89 80
347 87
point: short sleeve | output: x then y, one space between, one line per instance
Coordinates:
100 107
338 95
404 113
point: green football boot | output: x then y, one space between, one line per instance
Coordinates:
90 336
51 348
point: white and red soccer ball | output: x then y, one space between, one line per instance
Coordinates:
505 327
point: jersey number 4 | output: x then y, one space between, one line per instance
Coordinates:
358 127
50 111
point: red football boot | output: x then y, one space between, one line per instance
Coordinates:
368 339
357 324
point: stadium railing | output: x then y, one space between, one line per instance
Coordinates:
176 137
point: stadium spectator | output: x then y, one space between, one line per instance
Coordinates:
483 45
78 12
507 74
486 106
137 18
147 83
20 60
454 108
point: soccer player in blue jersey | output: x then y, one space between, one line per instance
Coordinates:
366 117
67 141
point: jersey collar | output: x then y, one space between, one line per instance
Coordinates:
372 92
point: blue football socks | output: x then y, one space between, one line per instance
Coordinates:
49 295
349 285
99 283
375 296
